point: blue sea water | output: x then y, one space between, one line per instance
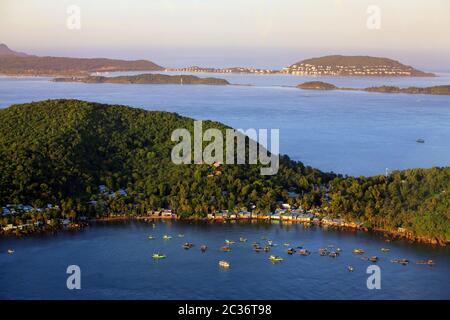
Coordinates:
354 133
115 262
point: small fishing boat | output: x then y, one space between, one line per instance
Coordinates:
270 242
187 245
427 262
166 237
266 248
203 248
290 251
151 238
257 249
181 235
338 250
286 244
273 258
304 252
10 251
255 244
225 249
420 141
228 242
350 269
358 251
323 251
385 249
400 261
373 259
158 256
333 254
224 264
242 239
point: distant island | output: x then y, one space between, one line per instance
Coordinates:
319 85
444 89
63 161
225 70
17 63
338 65
149 78
316 85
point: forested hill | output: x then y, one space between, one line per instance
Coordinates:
17 63
60 151
339 65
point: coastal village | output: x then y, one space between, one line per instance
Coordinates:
224 70
284 213
305 69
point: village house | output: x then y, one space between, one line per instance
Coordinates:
166 213
221 215
287 216
5 211
244 215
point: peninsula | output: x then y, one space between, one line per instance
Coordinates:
64 161
17 63
365 66
149 78
319 85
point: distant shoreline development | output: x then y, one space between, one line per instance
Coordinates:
18 63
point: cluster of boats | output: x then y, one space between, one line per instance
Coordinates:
329 251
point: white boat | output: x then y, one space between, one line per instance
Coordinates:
224 264
10 251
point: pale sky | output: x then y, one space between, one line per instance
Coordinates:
272 33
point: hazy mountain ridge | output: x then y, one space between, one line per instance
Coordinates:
6 51
16 63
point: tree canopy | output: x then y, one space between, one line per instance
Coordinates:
60 151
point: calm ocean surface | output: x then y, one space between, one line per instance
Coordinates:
354 133
115 261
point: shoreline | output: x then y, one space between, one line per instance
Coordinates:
388 235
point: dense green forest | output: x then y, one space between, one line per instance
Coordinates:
59 152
